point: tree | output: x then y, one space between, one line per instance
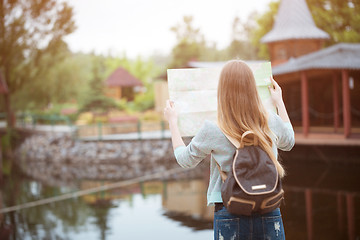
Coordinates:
31 34
95 99
190 42
60 83
240 46
339 18
265 23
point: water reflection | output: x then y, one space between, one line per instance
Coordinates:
322 202
185 201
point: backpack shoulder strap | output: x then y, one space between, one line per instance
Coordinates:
243 136
234 141
238 145
241 144
223 175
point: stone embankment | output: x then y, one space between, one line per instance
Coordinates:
58 159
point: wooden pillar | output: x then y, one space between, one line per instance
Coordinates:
346 102
350 215
336 102
309 219
305 104
340 212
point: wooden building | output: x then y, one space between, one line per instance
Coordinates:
294 33
321 87
121 84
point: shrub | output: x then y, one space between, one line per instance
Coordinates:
144 101
99 104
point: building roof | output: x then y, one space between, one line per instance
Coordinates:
196 64
339 56
122 78
294 21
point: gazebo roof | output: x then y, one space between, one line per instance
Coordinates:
294 21
339 56
122 78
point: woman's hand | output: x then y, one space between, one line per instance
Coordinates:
171 116
276 96
170 113
276 93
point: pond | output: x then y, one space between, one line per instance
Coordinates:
322 201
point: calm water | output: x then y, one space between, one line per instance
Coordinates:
322 202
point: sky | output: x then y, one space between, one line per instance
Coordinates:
142 27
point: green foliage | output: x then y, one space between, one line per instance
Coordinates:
8 141
241 50
212 53
184 52
31 43
60 84
98 103
265 23
144 70
240 46
122 104
95 99
190 43
339 18
144 101
151 116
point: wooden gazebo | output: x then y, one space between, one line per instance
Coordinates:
121 84
314 79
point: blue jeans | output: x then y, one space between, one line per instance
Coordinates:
268 226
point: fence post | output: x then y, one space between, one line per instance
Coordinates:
24 120
139 129
52 119
99 131
19 120
76 132
162 129
33 117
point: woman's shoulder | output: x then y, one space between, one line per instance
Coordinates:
210 125
211 135
211 129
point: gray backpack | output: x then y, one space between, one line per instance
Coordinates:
253 185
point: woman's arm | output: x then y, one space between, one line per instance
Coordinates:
276 95
170 115
283 128
186 156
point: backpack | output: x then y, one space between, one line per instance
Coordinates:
253 185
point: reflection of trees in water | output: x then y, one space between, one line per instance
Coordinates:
41 222
100 212
321 201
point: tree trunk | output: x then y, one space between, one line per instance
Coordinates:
10 117
1 176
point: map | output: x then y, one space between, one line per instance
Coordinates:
194 93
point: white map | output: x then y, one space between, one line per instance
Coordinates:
194 92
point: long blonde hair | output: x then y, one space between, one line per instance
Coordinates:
240 108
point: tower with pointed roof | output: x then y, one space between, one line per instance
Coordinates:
294 33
